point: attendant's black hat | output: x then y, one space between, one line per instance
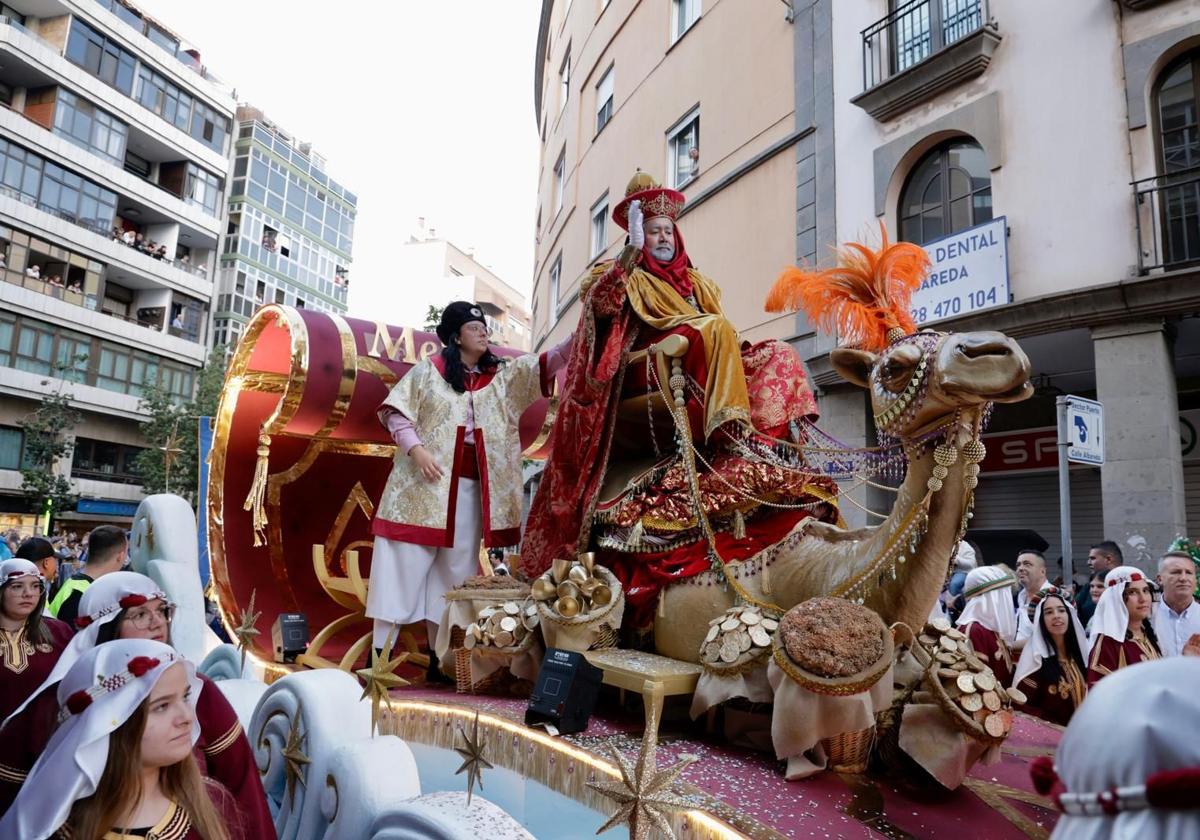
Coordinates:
456 314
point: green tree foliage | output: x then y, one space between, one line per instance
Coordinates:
173 426
433 317
48 439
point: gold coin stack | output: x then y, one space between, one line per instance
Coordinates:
572 588
738 635
504 626
966 681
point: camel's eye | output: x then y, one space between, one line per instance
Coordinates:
897 368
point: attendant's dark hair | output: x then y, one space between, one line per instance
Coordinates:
104 542
1074 649
35 549
1112 550
456 370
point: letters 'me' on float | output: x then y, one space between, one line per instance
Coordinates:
299 459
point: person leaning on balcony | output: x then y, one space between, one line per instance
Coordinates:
129 238
34 271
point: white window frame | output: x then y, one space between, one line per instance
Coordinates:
555 279
605 103
560 179
684 14
674 134
599 226
564 80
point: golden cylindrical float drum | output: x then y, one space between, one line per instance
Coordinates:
299 460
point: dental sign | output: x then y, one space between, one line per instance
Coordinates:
969 274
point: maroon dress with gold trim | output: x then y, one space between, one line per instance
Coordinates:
1110 655
222 752
24 665
176 823
992 650
1054 696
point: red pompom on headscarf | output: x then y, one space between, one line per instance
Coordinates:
132 601
139 665
1041 771
78 701
83 621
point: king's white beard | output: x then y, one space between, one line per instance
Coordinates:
663 253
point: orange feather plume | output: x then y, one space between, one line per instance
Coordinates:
861 299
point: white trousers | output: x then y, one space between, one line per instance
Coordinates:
408 581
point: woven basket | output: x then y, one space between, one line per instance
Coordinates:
836 686
607 637
500 681
850 751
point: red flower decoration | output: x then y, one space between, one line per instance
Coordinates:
83 621
1041 771
139 665
78 701
132 601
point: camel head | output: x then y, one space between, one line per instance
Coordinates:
927 376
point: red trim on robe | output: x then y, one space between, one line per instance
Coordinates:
1109 655
992 650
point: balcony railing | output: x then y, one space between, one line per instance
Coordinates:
915 31
63 293
1167 209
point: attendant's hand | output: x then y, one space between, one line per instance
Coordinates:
425 463
1192 647
637 235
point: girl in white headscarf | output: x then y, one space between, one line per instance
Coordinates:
30 643
1122 632
1129 763
1051 670
128 605
121 760
988 619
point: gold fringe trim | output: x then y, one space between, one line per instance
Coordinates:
258 491
555 763
739 526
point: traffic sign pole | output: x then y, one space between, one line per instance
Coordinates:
1064 490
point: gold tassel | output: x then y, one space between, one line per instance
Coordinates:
739 525
635 536
258 491
766 576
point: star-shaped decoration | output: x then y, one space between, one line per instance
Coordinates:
381 677
643 793
472 755
171 452
294 757
246 631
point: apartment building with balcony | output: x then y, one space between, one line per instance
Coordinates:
699 94
114 143
290 230
1047 155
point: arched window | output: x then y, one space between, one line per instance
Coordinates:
948 190
1177 109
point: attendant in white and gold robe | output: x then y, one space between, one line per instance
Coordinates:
456 479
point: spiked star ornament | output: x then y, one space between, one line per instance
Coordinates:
293 756
171 452
380 677
644 794
472 755
246 631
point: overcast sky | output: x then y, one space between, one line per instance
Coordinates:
421 107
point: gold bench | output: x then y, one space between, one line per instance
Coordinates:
650 675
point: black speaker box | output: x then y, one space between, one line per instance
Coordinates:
289 636
565 692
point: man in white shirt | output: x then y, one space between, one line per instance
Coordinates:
1177 615
1031 574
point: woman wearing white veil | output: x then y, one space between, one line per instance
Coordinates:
1051 670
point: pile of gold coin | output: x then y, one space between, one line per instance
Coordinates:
502 626
967 680
572 588
740 632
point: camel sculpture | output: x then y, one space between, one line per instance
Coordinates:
929 390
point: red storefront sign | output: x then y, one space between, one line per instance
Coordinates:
1029 449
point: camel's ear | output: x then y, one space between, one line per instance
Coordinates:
854 365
